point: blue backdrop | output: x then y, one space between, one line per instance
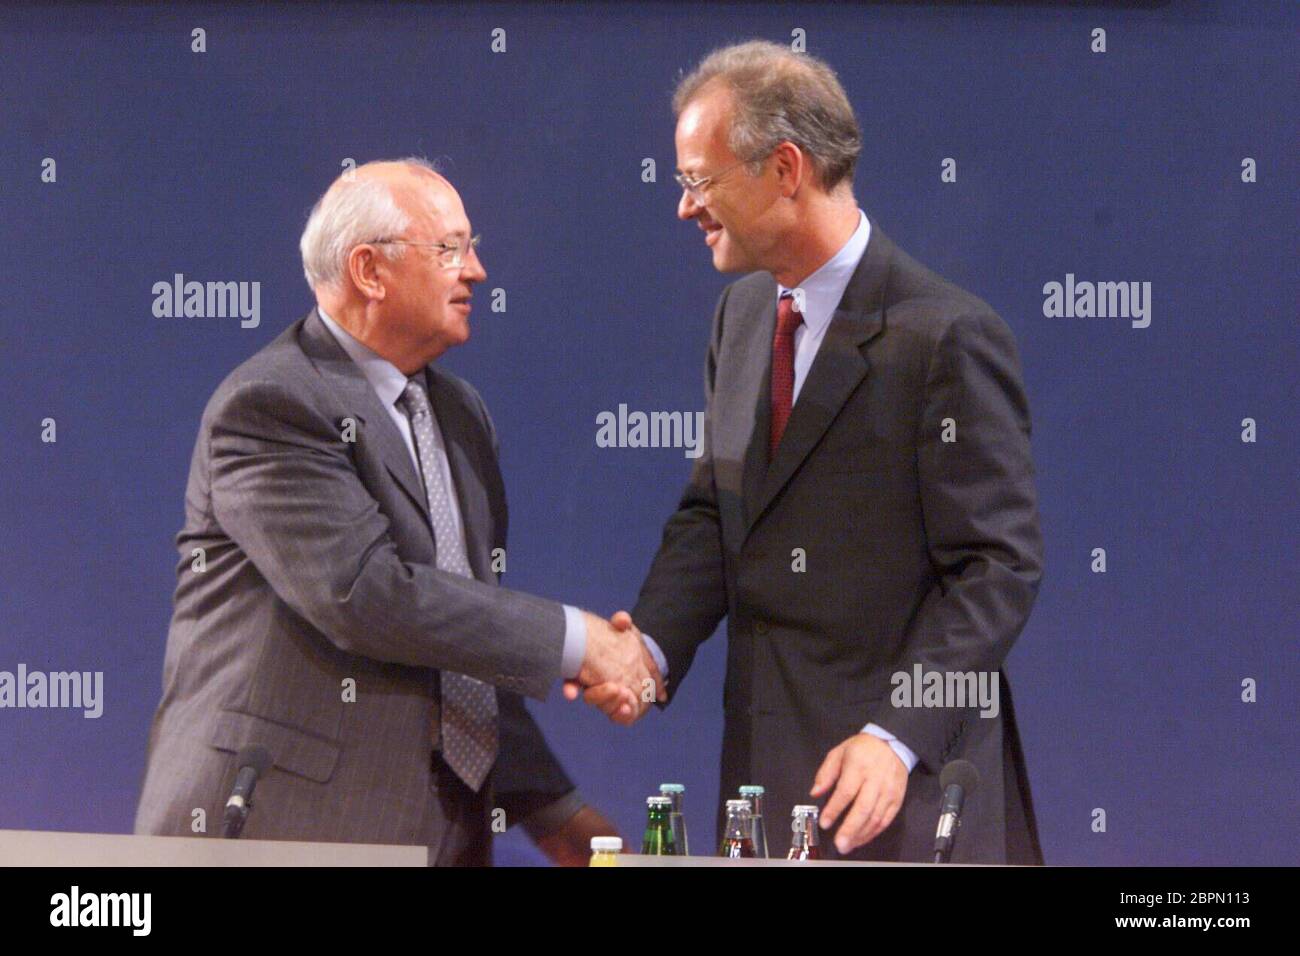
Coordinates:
1116 166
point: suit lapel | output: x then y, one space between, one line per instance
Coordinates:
361 403
839 368
757 367
459 426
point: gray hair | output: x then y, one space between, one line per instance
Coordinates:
353 210
780 95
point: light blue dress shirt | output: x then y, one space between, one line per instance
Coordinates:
822 292
389 383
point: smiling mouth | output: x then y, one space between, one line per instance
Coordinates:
711 234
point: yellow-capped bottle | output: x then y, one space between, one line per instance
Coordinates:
603 850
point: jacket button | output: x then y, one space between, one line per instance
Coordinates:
760 627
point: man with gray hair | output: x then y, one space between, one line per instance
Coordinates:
864 504
337 600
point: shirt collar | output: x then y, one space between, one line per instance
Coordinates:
824 289
384 377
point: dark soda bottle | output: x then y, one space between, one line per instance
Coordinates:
758 831
804 844
737 837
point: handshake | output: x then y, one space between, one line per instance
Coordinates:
618 676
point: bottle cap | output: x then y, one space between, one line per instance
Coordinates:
606 844
752 790
672 788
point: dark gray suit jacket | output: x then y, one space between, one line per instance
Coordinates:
319 583
917 551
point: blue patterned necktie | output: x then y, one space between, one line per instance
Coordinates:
469 706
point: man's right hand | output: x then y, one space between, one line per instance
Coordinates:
619 667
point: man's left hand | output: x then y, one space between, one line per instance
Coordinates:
871 779
570 845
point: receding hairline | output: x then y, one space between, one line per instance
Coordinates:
762 93
407 182
391 171
783 60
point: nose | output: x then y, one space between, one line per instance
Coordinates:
472 268
687 207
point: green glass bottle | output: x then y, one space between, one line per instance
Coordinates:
658 840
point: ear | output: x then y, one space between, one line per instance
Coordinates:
792 168
363 269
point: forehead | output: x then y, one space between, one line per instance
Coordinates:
702 128
435 205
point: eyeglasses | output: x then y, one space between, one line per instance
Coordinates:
697 186
451 255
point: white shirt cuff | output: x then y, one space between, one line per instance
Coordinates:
904 753
575 643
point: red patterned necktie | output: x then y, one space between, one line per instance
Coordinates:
787 322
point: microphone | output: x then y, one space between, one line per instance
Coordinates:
959 780
252 762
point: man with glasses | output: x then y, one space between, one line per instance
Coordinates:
336 600
864 506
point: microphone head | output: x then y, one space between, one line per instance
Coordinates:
255 756
962 773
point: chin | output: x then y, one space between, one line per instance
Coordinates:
725 263
727 259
